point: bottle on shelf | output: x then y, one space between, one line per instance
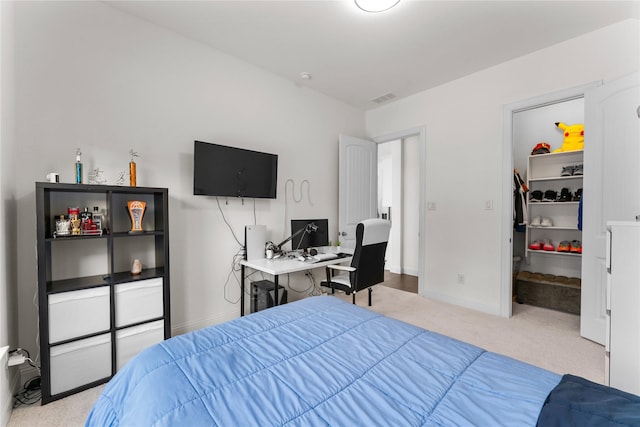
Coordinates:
86 222
97 218
78 167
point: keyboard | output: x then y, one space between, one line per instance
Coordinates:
325 257
319 257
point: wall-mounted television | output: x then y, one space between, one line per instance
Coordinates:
219 170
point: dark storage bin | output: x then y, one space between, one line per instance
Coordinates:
549 291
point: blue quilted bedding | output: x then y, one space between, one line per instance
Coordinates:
321 362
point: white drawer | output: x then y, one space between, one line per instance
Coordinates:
77 313
133 340
78 363
138 301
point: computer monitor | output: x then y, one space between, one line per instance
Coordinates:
312 239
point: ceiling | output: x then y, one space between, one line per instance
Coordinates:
357 57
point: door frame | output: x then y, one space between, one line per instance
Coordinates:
506 270
420 132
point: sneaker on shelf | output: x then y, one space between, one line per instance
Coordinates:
535 196
576 247
565 195
548 246
535 245
578 170
577 195
546 222
535 222
550 196
567 170
564 246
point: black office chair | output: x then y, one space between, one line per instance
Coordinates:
367 264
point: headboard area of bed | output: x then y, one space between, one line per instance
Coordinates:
321 362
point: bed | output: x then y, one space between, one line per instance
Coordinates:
324 362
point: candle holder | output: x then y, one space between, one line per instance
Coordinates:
136 212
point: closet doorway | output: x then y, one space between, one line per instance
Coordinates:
526 124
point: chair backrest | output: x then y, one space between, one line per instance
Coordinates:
372 236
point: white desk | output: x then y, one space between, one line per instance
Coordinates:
278 266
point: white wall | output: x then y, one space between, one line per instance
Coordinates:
92 77
410 204
8 311
464 127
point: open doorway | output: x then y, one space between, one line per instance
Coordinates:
357 196
398 201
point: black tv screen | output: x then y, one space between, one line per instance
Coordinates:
219 170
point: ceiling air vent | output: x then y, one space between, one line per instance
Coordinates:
384 98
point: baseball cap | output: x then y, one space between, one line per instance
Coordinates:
541 148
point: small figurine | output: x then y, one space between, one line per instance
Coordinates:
95 176
120 180
136 267
573 137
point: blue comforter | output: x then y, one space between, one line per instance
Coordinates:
321 362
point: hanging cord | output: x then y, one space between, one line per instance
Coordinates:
227 222
235 267
255 218
237 257
293 196
313 288
293 185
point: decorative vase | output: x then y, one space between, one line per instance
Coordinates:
136 212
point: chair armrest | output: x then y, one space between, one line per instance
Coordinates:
341 267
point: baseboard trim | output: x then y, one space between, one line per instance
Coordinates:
203 323
398 269
410 271
463 303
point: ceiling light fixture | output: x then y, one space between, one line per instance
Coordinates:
376 5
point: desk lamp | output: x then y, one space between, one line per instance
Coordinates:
277 249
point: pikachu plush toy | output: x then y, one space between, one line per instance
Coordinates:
573 137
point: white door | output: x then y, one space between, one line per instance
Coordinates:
358 192
612 190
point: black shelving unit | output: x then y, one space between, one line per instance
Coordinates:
74 265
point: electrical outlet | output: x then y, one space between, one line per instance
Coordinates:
488 205
460 278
